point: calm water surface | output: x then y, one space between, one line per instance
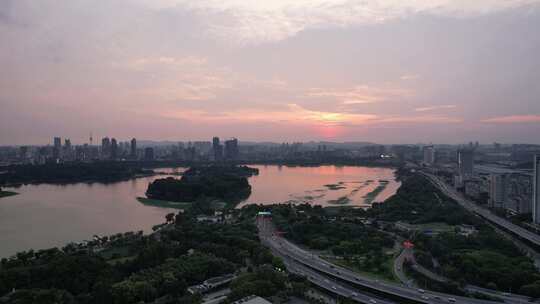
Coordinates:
44 216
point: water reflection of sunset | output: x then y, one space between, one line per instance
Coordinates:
321 185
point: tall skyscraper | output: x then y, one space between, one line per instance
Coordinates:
105 148
536 191
114 149
429 155
57 142
217 149
57 148
149 153
466 161
497 190
231 149
133 149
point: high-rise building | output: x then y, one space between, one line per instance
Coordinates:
429 155
231 149
114 149
149 153
57 142
57 148
497 190
536 191
133 149
217 149
466 161
105 147
67 152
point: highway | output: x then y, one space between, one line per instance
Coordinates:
294 254
332 286
517 230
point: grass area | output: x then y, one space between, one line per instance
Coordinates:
7 193
162 203
440 227
337 186
370 197
340 201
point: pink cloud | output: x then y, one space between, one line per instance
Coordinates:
514 119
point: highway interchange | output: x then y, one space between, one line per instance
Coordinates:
339 280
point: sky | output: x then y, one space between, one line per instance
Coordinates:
384 71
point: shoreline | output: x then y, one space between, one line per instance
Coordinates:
61 182
7 193
162 203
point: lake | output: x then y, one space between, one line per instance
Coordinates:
44 216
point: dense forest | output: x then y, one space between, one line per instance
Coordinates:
417 201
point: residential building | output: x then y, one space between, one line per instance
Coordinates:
466 161
114 149
231 149
217 149
105 148
149 153
57 148
429 155
497 190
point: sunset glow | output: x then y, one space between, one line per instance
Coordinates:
292 70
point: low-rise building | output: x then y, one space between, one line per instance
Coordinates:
211 284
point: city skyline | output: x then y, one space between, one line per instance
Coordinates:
383 72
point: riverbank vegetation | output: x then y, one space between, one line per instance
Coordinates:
71 173
157 268
163 204
7 193
417 201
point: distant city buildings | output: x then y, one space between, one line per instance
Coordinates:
503 177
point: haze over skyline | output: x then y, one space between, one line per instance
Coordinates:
437 71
